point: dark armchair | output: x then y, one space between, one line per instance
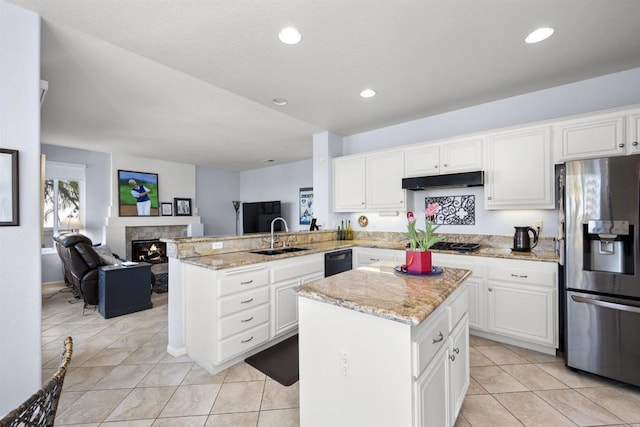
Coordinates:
81 263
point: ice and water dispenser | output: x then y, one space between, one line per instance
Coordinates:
608 246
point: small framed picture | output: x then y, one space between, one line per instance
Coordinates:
9 194
167 209
182 206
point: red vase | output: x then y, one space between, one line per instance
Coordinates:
418 261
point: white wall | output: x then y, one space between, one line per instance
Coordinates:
216 189
20 295
281 182
613 90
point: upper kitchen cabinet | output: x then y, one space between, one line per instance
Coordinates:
519 170
601 135
443 157
349 183
634 132
370 182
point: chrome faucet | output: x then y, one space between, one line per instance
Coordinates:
285 228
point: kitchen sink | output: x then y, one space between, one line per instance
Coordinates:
278 251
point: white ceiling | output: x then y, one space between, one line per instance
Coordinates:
192 80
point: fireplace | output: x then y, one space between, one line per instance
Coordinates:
152 251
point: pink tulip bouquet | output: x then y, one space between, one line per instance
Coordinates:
423 239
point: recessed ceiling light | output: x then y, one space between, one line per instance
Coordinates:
368 93
539 35
280 101
289 35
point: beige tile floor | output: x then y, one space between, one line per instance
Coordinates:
121 375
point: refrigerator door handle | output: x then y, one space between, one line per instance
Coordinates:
606 304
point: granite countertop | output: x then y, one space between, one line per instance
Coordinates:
381 291
495 249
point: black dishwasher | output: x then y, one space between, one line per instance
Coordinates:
337 262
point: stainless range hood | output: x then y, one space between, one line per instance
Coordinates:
466 179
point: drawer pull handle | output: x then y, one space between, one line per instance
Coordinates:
519 276
247 282
374 259
246 301
437 340
246 341
452 357
456 350
246 320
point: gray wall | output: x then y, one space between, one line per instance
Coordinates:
215 190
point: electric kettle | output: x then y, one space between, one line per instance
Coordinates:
521 240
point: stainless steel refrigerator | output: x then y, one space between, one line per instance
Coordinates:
601 212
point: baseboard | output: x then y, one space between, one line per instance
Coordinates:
176 352
55 283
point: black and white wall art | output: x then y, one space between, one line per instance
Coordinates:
454 210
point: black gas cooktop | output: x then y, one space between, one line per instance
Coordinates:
456 246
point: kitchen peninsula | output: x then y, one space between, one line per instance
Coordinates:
381 348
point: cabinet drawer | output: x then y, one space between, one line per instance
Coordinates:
238 280
459 307
242 321
242 342
522 275
304 265
432 339
243 301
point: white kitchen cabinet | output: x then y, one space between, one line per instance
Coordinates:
349 183
285 276
458 359
444 157
519 170
600 135
432 393
634 132
384 173
474 284
363 257
522 300
369 182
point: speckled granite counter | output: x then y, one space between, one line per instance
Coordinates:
383 292
246 257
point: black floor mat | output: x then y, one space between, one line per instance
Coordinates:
279 362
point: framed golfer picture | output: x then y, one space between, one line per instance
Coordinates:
137 193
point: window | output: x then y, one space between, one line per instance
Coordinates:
63 204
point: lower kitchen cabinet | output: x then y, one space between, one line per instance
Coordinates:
512 301
363 257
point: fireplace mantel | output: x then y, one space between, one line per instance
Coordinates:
115 228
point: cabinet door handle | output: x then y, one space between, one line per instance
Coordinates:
456 350
490 289
446 165
489 198
246 301
362 203
437 340
452 357
247 282
519 276
621 145
246 320
435 167
634 143
246 341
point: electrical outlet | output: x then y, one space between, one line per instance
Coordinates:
344 364
537 224
217 245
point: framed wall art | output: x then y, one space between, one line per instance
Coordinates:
182 206
9 186
137 193
306 205
167 209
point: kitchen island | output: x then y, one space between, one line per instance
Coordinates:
380 348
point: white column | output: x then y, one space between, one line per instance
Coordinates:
326 146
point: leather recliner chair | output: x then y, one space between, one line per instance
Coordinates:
81 264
